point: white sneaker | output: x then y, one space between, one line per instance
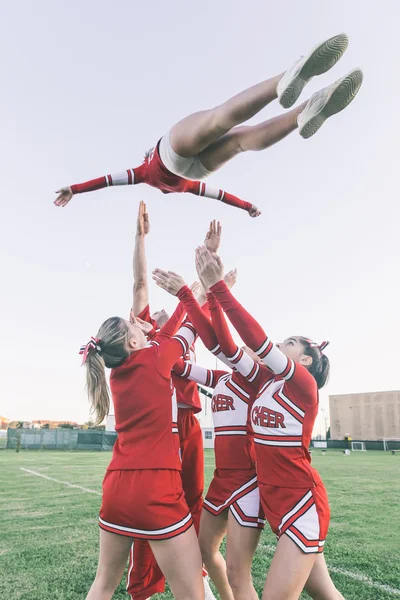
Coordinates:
321 58
208 595
328 102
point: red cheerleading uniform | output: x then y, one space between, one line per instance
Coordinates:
153 172
292 493
145 578
142 490
234 485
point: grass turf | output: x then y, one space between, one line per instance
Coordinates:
49 532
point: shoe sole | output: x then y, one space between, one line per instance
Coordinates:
321 59
341 97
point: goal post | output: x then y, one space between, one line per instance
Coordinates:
391 444
358 446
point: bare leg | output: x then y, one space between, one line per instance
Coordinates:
319 584
241 544
289 570
212 532
197 131
114 552
179 559
244 139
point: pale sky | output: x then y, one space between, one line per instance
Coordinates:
88 86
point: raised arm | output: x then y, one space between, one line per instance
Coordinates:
172 325
210 269
239 359
140 281
200 375
175 285
170 350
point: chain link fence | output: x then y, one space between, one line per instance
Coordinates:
60 439
88 439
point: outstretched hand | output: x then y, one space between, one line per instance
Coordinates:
213 236
64 196
143 325
168 281
143 223
254 211
209 267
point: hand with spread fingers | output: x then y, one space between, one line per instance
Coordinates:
169 281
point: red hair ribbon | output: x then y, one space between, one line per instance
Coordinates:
321 347
93 344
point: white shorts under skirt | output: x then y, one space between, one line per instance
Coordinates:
189 168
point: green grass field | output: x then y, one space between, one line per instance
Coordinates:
49 532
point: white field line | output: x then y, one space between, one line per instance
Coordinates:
353 575
71 485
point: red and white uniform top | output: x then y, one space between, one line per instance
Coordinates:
153 172
184 390
232 397
234 393
286 406
145 409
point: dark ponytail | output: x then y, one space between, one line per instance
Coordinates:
320 366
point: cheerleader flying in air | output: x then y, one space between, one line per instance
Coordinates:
204 141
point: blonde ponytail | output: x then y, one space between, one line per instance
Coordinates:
97 387
110 351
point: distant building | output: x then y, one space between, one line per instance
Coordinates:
369 416
4 422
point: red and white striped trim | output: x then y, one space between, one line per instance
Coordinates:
244 519
289 406
306 545
284 441
186 336
186 369
131 561
236 357
175 427
265 348
150 534
297 511
224 378
253 373
230 430
264 387
131 176
236 495
216 350
237 390
244 364
189 326
288 372
210 379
